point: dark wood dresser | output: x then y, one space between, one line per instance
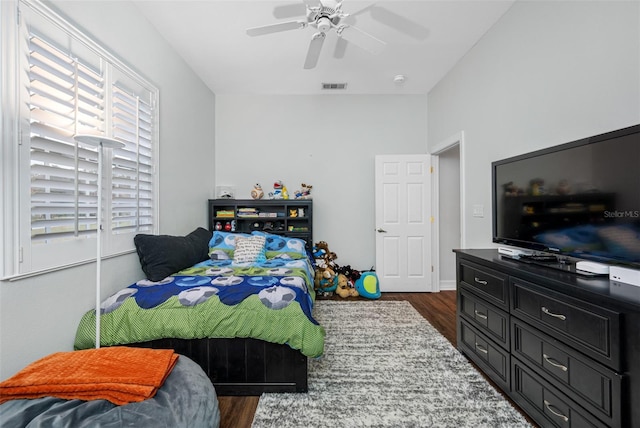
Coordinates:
564 347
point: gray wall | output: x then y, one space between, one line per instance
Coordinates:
449 214
548 72
39 315
327 141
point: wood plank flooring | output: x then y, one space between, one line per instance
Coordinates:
438 308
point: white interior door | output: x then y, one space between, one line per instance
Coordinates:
403 222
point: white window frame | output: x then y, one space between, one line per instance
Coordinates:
135 165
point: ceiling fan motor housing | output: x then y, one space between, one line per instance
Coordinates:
324 24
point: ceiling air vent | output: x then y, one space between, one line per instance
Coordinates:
332 86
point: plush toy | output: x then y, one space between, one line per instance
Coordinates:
345 288
351 274
326 280
304 192
321 251
368 285
285 192
257 192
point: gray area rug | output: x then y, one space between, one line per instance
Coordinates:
386 366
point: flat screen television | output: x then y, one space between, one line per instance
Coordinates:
580 199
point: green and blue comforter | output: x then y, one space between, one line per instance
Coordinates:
271 300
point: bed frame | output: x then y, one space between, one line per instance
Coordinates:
243 366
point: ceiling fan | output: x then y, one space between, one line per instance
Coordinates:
324 16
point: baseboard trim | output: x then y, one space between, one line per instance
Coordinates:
447 285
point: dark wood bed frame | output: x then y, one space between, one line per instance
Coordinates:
243 366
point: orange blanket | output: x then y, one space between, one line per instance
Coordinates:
119 374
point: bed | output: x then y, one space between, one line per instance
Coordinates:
244 314
186 399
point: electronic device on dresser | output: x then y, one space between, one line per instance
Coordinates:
579 200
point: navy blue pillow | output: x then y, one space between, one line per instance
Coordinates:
164 255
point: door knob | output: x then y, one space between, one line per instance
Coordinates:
381 230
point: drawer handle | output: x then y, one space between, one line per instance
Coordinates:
558 414
479 281
481 349
554 363
480 314
551 314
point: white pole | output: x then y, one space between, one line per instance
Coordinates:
99 245
100 143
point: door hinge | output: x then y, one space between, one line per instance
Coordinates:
431 268
431 169
21 255
18 16
432 219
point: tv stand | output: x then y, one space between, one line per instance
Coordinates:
564 348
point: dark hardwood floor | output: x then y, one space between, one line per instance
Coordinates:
438 308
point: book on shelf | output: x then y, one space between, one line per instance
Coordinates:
225 213
248 212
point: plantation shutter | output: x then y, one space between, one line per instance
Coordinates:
132 207
65 85
65 98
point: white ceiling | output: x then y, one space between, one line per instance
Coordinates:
210 36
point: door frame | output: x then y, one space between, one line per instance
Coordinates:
426 229
444 145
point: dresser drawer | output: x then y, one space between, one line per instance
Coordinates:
547 405
493 360
590 384
590 329
489 283
489 320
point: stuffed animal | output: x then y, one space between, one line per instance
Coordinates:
351 274
321 251
368 285
326 281
345 288
304 192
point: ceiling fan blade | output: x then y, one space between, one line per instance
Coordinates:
341 47
350 19
399 23
289 10
312 3
315 46
361 39
274 28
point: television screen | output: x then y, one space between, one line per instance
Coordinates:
580 199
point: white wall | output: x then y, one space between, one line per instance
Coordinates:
548 72
39 315
327 141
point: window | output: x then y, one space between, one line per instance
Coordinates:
65 84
